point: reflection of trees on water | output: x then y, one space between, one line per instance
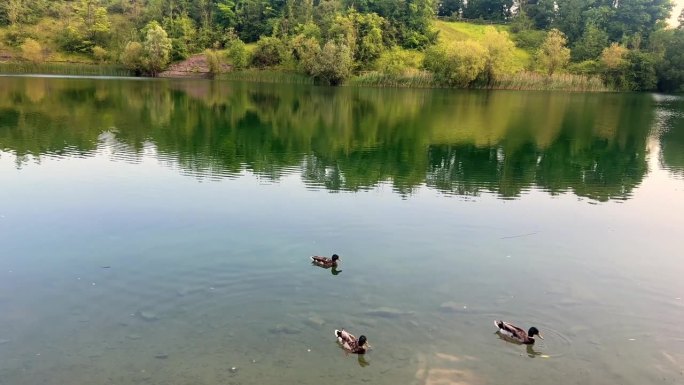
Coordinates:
461 143
672 136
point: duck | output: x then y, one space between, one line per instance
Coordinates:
350 343
325 261
517 334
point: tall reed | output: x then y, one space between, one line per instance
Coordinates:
556 82
415 79
55 68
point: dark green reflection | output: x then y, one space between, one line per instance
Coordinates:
347 139
671 109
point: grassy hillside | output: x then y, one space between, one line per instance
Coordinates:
458 30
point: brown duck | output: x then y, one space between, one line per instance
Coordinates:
325 261
517 334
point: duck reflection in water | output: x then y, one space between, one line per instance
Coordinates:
362 360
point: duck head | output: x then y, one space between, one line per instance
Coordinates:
362 340
534 332
335 257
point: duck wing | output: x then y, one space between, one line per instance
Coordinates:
511 330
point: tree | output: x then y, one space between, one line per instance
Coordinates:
500 53
590 46
11 11
541 12
133 57
614 62
458 64
237 53
671 70
157 48
32 51
553 54
450 8
269 52
499 10
334 63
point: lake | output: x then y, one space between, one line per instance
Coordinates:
158 232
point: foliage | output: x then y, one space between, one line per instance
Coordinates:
100 54
32 51
498 10
132 57
157 48
396 61
238 55
553 54
499 58
590 46
457 64
333 64
671 70
212 61
269 52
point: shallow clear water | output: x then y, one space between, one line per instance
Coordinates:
158 232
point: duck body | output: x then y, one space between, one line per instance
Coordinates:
350 343
517 334
325 261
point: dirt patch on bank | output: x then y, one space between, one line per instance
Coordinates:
195 66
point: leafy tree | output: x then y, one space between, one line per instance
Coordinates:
157 47
11 11
590 46
448 8
671 70
641 75
306 51
100 54
553 54
458 64
521 22
499 10
269 52
133 57
32 51
237 53
334 63
541 12
500 54
396 61
615 65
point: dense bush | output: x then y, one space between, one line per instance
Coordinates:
269 52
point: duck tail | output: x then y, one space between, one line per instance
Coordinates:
499 324
312 258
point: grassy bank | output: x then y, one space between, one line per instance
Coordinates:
58 68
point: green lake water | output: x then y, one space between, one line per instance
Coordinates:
158 232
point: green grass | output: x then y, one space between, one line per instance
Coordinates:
450 31
72 69
556 82
413 79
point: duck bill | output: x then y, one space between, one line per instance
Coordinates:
540 336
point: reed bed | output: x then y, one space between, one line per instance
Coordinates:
557 82
71 69
413 79
266 76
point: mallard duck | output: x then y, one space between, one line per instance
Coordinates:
325 261
517 334
350 343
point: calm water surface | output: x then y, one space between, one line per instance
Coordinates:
157 232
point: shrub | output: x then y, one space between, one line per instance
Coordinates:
32 51
269 52
212 61
458 64
132 57
100 54
238 55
